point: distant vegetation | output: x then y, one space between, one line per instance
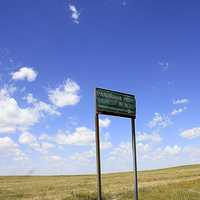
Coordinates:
180 183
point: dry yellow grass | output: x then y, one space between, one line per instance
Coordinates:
180 183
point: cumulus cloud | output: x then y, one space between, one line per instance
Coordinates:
82 136
159 121
191 133
172 150
40 106
75 14
15 118
12 117
104 123
25 73
178 111
121 153
145 151
9 148
123 150
168 151
84 157
33 142
65 95
180 101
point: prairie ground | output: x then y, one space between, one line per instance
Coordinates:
179 183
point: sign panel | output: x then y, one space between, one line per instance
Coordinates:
115 103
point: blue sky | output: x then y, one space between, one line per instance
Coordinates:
54 53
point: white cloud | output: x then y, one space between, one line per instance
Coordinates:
14 118
148 155
105 142
123 150
146 137
164 65
27 138
75 14
45 137
180 101
86 157
119 158
30 99
25 73
105 145
159 121
33 142
66 94
191 133
40 106
82 136
54 158
143 149
45 147
168 151
192 152
174 150
104 123
9 148
83 157
8 90
178 111
147 152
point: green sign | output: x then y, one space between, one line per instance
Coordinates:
115 103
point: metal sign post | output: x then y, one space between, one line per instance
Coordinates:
117 104
98 158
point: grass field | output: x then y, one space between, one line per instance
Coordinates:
179 183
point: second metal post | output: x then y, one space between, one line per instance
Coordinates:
134 159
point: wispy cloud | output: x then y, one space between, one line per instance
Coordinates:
159 121
164 66
124 3
75 14
178 111
180 101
